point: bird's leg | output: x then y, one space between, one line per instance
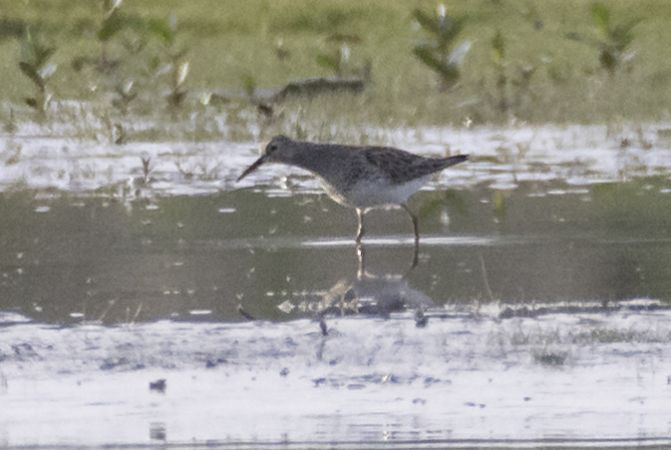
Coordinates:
360 230
415 226
361 259
415 257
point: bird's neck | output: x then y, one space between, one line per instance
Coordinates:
314 157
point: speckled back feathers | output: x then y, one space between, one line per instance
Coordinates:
402 167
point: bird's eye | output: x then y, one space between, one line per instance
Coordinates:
272 148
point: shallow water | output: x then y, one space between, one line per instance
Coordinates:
543 288
577 378
71 259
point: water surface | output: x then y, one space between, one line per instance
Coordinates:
538 312
69 259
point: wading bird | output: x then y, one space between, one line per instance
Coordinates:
360 177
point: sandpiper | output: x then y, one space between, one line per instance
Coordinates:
360 177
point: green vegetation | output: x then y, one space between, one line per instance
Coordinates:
613 39
340 62
34 64
441 53
548 64
512 94
176 65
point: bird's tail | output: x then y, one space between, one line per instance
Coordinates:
452 160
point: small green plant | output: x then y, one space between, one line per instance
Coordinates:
13 155
204 170
146 169
510 88
338 58
336 61
10 126
119 136
179 72
281 52
176 66
112 21
441 53
249 85
35 65
499 58
613 39
126 93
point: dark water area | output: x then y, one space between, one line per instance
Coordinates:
70 259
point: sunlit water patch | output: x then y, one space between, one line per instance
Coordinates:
500 157
458 377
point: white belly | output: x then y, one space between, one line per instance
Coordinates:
376 194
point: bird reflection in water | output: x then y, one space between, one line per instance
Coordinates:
373 294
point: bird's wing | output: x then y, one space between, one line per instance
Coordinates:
400 166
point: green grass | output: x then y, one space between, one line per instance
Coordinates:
229 40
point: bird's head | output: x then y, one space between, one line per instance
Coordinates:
278 149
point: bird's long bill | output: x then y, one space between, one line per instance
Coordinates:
252 168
